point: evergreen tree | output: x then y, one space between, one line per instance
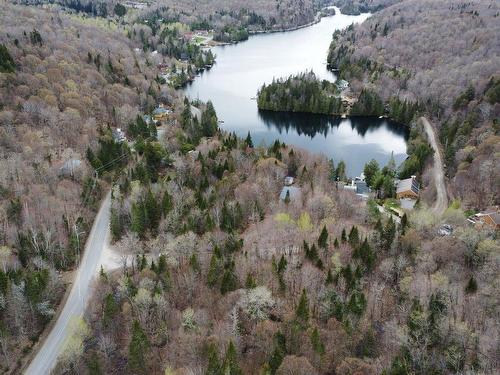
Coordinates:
471 287
302 311
250 282
404 223
110 309
209 122
329 277
323 238
316 342
354 236
278 353
166 203
388 234
248 141
214 366
7 64
229 279
194 263
93 365
230 365
336 243
370 170
365 254
138 349
214 270
343 237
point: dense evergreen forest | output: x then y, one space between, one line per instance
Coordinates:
300 93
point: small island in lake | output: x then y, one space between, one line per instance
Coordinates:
301 93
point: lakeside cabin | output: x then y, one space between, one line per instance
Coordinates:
408 188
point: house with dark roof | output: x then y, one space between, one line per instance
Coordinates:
408 188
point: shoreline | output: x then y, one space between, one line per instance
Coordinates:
317 19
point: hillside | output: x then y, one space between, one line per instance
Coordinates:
225 277
443 55
259 14
62 83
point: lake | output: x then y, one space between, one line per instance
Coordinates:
242 68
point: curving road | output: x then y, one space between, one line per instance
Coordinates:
438 170
46 356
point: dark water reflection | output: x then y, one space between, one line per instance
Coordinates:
312 125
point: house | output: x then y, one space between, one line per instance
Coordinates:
489 219
408 188
361 188
342 84
288 181
161 113
292 192
118 135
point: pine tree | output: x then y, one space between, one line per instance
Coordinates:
93 365
343 237
316 342
354 236
471 286
138 349
336 243
229 279
404 223
230 365
323 238
248 141
278 353
306 249
302 311
194 263
214 366
250 282
110 309
214 270
329 277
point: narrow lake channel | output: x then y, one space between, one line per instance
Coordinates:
240 71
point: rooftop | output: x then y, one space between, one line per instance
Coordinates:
407 185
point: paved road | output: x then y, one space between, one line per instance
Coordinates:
46 357
438 170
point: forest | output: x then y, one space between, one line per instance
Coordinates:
62 83
441 58
303 92
217 274
221 277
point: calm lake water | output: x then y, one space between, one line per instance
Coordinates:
241 70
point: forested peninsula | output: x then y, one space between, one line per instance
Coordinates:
303 92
